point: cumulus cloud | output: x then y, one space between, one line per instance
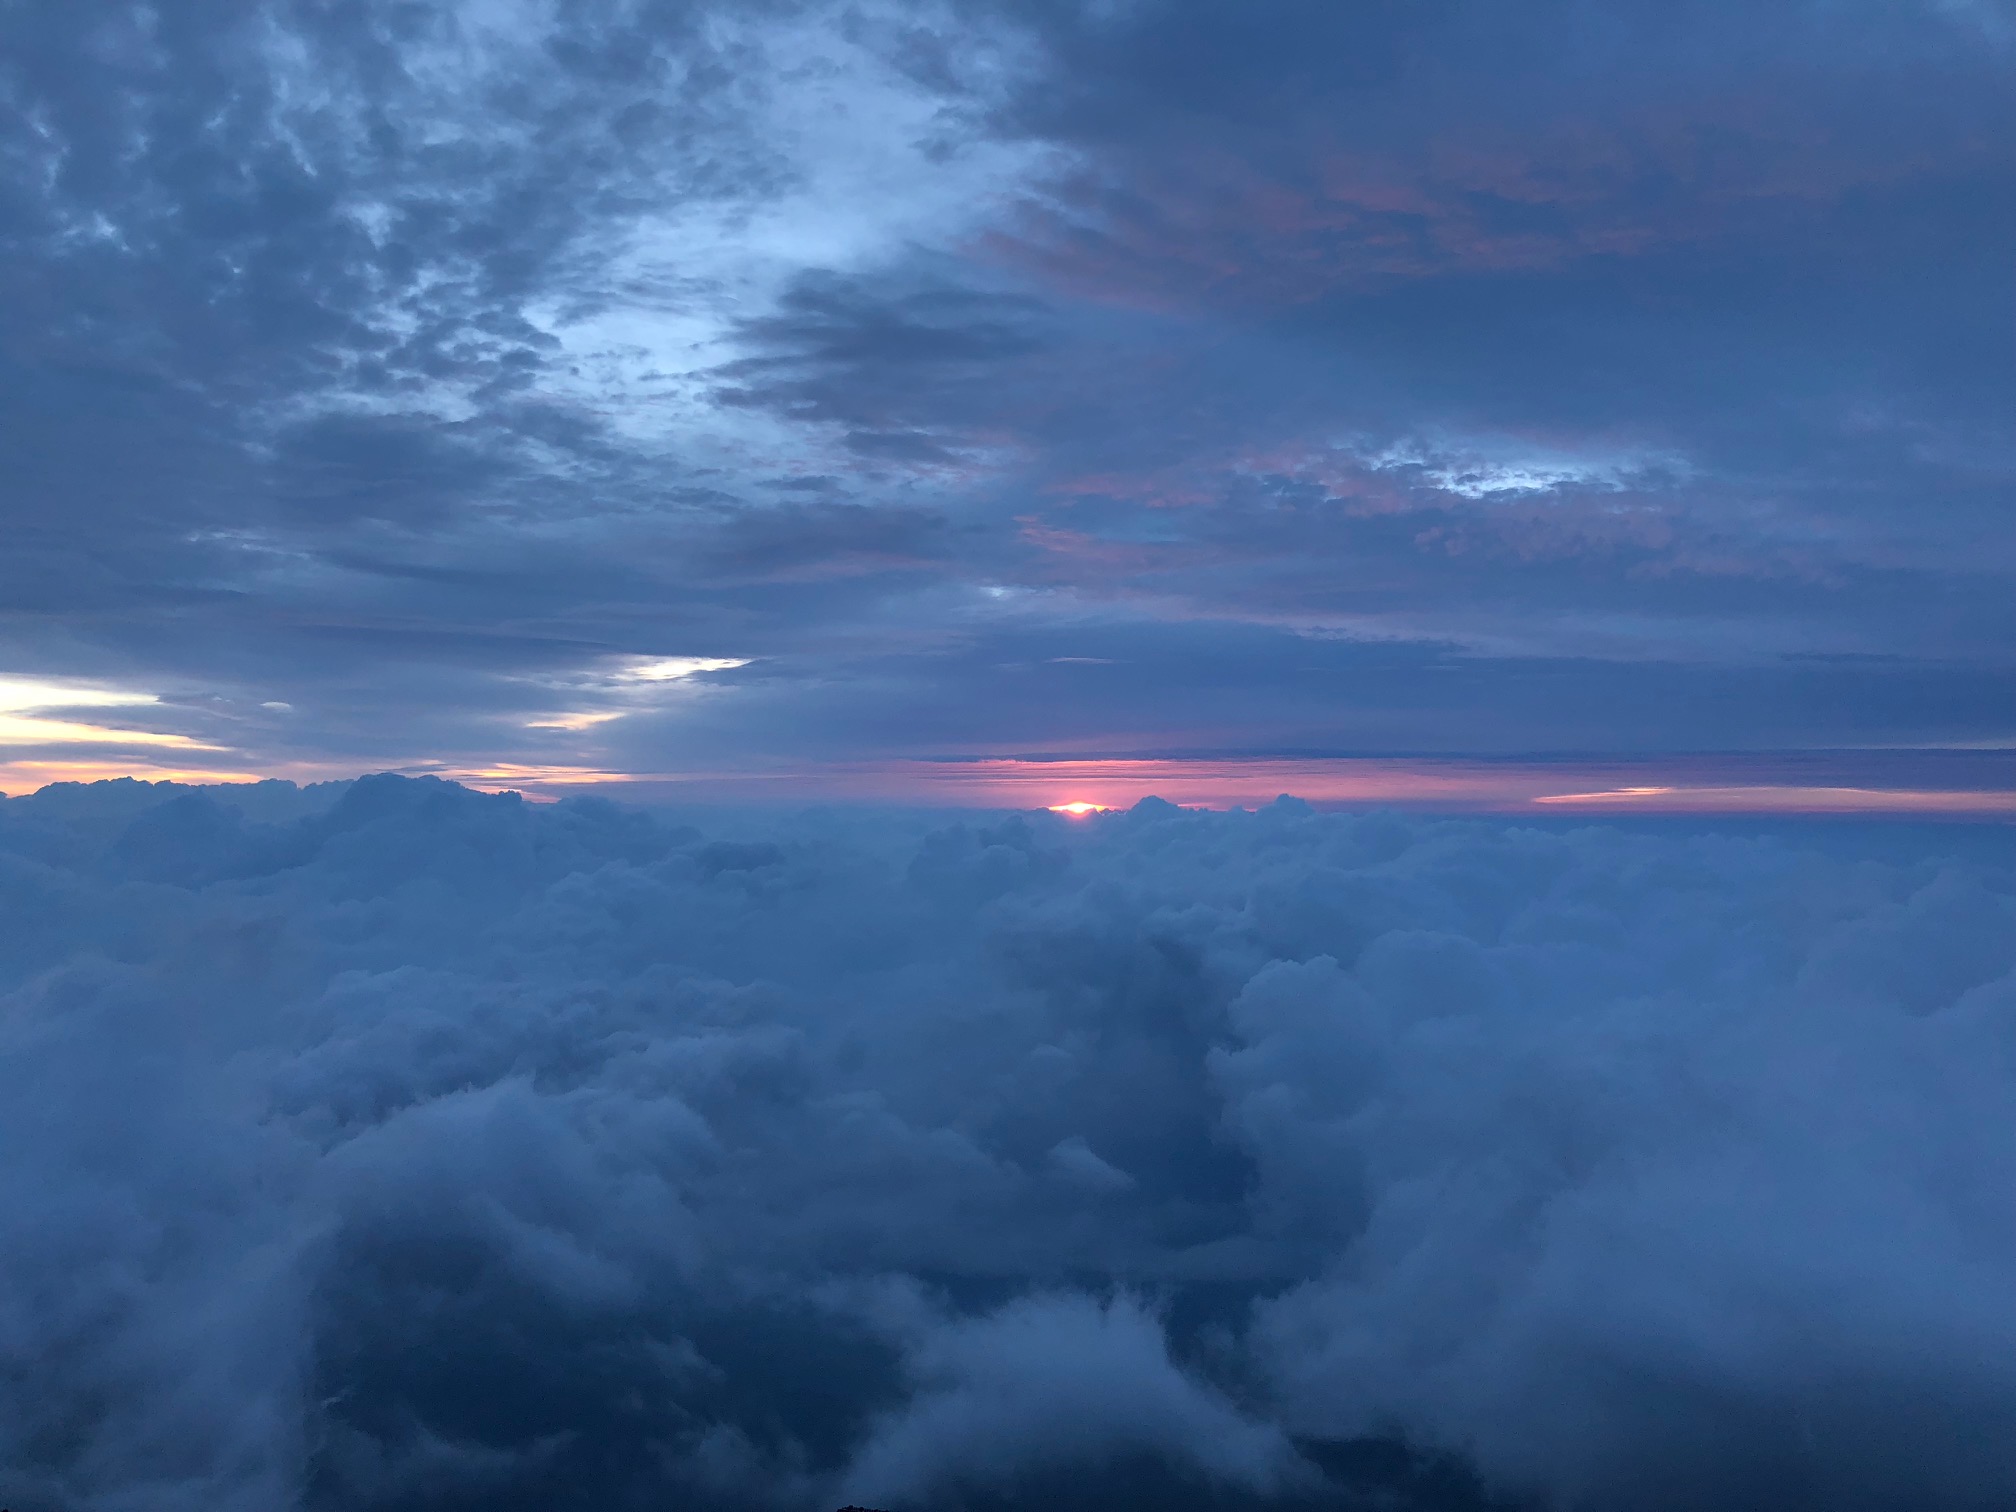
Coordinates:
396 1146
1057 1381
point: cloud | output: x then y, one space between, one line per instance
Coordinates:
384 363
392 1145
1050 1383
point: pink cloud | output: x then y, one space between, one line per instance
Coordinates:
1160 229
1704 786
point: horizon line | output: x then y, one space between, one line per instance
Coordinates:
1676 783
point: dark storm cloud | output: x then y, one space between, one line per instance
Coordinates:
403 1147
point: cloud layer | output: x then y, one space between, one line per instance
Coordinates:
397 1146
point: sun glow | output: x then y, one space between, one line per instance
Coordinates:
1080 809
23 729
20 695
679 668
26 701
580 721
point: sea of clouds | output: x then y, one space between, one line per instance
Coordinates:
395 1146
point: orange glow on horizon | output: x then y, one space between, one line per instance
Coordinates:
1103 785
29 776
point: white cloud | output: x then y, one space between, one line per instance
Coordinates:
24 695
1489 467
661 669
24 701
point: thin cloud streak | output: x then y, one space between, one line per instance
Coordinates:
1960 803
1449 785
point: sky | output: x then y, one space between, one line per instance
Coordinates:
1446 401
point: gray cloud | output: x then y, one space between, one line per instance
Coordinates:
398 1146
399 365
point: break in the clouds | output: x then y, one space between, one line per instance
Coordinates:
386 383
399 1148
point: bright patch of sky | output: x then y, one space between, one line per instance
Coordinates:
871 170
1483 467
24 694
633 685
663 669
25 703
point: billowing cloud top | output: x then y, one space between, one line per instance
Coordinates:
402 1147
385 384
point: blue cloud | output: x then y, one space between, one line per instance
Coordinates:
408 368
394 1145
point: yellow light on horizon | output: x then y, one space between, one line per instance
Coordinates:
26 730
27 702
32 776
27 695
1080 809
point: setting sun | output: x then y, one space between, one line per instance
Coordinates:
1080 809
